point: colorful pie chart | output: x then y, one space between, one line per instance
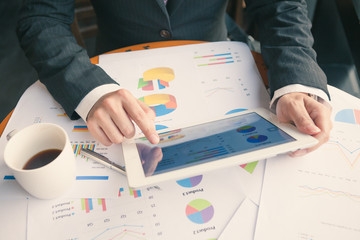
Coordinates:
351 116
190 182
257 139
161 104
161 75
199 211
246 129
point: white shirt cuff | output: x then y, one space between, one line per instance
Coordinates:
321 95
92 97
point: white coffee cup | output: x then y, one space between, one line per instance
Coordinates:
51 180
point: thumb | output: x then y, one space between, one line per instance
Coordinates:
305 124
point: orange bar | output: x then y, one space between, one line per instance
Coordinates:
4 122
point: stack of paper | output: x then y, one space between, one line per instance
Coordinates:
182 84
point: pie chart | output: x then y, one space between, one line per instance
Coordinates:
199 211
257 139
161 104
351 116
190 182
246 129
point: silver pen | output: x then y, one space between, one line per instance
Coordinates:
103 160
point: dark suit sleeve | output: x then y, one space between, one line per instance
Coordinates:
63 66
284 32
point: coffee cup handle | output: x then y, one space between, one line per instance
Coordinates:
11 134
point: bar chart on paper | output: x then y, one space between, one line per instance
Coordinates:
89 218
201 82
80 128
87 204
216 59
148 213
78 146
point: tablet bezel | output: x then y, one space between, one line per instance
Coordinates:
137 178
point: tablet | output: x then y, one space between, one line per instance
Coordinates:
232 140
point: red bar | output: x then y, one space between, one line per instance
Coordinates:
207 56
357 115
103 204
87 205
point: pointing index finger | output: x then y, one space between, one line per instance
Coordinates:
143 117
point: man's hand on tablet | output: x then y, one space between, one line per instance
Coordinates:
308 115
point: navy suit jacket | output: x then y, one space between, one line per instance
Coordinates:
64 67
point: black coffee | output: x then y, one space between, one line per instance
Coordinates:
42 158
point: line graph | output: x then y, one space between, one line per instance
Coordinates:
211 92
315 191
121 232
350 156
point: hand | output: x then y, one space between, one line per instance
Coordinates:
112 116
308 115
150 157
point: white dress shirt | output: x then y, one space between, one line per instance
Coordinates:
93 96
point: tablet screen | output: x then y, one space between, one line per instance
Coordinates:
208 142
